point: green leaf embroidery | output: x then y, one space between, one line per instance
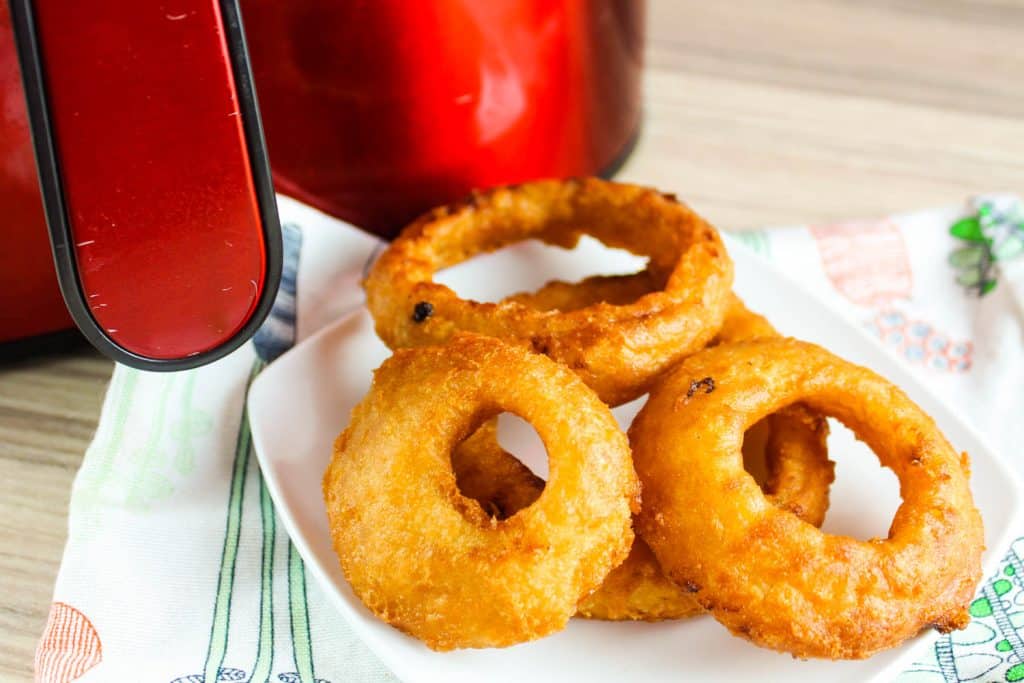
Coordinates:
993 234
969 278
981 607
967 257
968 229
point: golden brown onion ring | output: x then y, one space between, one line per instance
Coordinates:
618 349
766 574
433 563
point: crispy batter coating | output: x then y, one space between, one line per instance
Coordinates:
742 324
798 469
799 474
618 349
432 562
766 574
565 297
637 590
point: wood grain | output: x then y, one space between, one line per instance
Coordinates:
49 407
818 110
755 112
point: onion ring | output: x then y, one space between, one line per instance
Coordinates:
433 563
798 469
618 350
764 573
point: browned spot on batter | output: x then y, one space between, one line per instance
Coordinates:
421 311
540 345
707 384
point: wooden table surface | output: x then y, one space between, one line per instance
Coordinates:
755 112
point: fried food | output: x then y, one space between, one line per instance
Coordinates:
766 574
618 349
565 297
502 485
434 563
798 469
451 539
637 590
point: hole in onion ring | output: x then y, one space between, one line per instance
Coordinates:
498 467
518 437
865 495
529 265
754 459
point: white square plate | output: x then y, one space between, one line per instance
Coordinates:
302 401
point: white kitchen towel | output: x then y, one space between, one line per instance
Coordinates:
176 570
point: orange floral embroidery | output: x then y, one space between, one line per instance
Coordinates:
867 262
70 646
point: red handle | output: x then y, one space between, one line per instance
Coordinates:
154 174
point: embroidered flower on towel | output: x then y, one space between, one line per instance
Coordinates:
993 233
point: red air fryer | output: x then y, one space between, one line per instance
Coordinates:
134 178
